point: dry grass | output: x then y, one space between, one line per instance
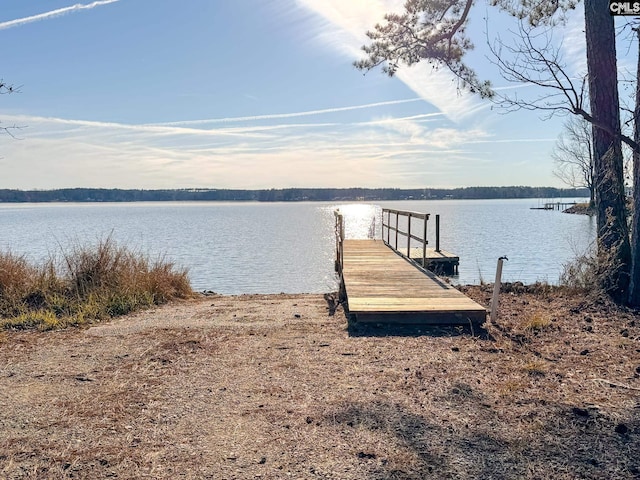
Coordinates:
537 321
87 284
16 280
273 387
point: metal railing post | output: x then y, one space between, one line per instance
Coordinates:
438 233
409 236
388 224
339 227
496 290
341 240
424 241
397 214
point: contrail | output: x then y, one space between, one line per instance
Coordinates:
289 115
54 13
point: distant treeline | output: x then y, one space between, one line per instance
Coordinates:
283 195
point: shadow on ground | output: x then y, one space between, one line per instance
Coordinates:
358 329
563 442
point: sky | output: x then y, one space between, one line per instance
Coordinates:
250 94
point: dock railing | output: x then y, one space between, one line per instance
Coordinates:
339 231
418 234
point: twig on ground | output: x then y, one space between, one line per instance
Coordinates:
620 385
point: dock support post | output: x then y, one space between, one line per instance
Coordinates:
437 233
496 290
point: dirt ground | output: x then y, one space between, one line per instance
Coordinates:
273 386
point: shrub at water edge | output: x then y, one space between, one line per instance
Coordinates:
88 284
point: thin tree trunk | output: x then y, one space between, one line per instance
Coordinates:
614 250
592 188
634 287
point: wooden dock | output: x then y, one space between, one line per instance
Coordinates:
555 206
383 287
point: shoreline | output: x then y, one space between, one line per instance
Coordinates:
317 194
273 386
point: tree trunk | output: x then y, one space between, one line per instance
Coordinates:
592 187
634 287
614 250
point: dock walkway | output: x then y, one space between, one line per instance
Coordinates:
383 287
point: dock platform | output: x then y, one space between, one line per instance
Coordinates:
381 286
440 262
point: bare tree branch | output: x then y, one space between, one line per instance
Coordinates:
573 155
535 59
6 89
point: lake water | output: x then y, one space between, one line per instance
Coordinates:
235 248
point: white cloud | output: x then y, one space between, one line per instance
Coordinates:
441 89
347 22
277 116
54 13
574 43
56 152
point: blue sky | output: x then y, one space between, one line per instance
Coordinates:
247 94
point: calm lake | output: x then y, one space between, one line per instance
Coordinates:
235 248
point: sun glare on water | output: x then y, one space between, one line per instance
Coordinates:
361 221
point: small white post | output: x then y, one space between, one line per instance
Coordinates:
496 290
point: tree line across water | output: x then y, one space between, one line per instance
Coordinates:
284 195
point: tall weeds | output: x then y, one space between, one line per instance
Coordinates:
86 284
581 273
591 272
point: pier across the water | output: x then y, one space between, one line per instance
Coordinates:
555 206
381 285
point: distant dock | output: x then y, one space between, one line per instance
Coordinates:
556 206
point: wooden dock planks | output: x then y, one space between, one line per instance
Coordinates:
381 286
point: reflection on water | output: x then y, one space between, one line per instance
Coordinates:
289 247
